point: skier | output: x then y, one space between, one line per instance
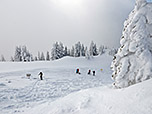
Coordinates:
77 71
93 73
89 72
41 74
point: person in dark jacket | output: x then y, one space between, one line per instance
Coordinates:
89 72
94 73
41 74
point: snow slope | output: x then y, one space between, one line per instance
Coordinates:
103 100
64 92
19 94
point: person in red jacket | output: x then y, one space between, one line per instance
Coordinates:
89 72
77 71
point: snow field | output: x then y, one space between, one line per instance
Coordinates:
102 100
18 93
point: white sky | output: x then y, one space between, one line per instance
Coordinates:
39 23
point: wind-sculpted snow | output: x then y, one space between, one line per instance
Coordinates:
18 93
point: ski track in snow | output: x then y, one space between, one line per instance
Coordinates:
58 82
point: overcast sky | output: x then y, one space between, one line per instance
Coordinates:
39 23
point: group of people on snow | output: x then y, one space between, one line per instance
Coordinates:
89 72
77 72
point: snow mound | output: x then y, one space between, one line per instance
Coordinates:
132 100
133 62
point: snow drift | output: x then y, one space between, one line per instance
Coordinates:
133 62
104 100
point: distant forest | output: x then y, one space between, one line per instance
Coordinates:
22 54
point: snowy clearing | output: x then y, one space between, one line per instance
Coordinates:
18 93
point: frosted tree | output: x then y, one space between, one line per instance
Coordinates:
39 57
68 52
25 54
95 52
31 57
112 51
101 50
77 49
133 62
61 50
56 51
93 49
42 57
65 51
82 50
72 51
36 59
18 52
47 56
12 59
85 50
87 55
2 58
22 54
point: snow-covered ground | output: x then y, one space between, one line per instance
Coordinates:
64 92
102 100
18 94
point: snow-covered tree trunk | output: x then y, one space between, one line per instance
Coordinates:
133 62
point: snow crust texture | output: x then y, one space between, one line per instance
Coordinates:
133 62
103 100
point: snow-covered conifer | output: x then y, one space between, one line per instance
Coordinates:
39 57
12 59
101 50
87 55
72 51
112 51
82 50
35 59
68 52
55 52
93 49
18 52
133 62
42 57
65 51
2 58
77 49
47 56
61 50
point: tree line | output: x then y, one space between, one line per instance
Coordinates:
58 51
